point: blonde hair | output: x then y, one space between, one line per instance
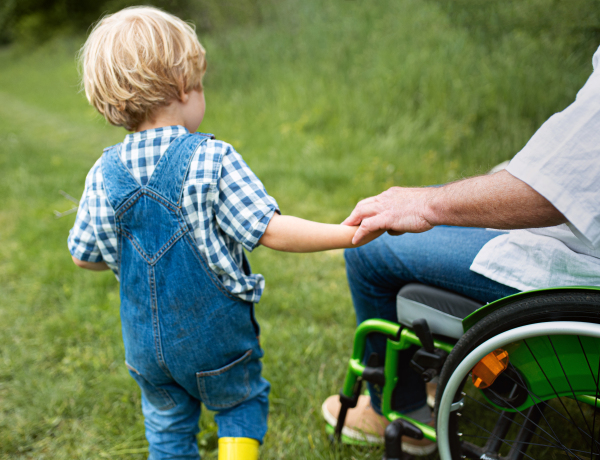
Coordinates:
137 60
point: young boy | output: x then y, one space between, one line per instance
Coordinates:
170 213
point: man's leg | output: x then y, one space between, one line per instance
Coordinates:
440 257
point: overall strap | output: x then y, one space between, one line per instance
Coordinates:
170 173
119 184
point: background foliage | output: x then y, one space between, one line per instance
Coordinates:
570 25
38 20
328 102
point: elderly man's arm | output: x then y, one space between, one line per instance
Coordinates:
498 201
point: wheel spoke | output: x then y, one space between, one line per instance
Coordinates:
524 435
499 431
595 378
554 390
536 397
524 386
559 445
570 386
496 437
511 442
554 437
596 407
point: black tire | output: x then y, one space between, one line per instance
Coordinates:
567 305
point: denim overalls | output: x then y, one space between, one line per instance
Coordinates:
187 339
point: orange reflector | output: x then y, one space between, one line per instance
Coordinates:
489 368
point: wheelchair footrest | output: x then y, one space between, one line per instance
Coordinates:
393 438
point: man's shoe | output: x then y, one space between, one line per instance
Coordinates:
363 424
431 388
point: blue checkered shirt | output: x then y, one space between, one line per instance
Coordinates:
223 223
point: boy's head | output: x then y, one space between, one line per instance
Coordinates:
138 60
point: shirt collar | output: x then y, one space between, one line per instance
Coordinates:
166 131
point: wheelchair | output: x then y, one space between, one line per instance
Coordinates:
517 378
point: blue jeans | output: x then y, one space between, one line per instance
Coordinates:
440 257
187 339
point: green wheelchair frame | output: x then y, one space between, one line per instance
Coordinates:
543 340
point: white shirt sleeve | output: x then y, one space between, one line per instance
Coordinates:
562 161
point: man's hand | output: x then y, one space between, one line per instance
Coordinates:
397 210
497 201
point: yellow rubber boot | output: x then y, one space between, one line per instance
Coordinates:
238 449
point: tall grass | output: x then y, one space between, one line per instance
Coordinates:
328 102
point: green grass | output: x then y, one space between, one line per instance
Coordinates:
328 102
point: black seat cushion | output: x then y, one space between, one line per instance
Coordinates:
440 299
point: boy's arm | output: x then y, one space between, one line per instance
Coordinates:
82 241
243 208
94 266
292 234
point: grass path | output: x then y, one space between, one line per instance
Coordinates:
328 103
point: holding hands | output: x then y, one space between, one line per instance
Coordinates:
397 210
498 201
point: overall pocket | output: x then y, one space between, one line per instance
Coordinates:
156 396
225 387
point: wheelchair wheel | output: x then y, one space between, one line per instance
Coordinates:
543 405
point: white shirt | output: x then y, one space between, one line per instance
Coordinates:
562 163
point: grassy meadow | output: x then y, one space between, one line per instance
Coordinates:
328 102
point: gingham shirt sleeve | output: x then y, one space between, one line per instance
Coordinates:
243 208
82 238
